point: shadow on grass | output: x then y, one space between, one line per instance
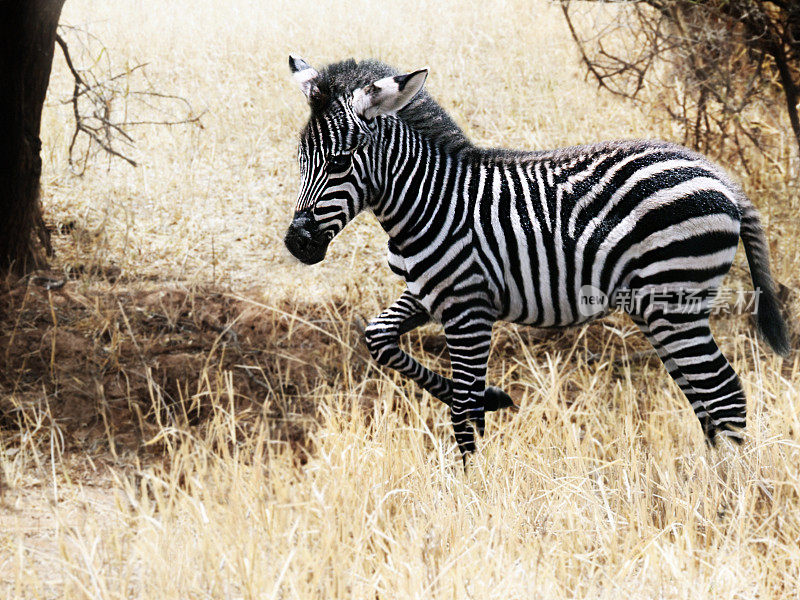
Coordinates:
107 367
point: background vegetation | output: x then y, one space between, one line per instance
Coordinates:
186 412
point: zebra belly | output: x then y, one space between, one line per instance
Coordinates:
687 255
537 283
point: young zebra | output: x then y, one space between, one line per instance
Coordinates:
482 235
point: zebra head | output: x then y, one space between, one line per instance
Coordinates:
336 153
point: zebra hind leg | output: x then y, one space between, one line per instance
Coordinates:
686 346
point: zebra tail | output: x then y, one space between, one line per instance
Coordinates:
769 322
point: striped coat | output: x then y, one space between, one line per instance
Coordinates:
548 239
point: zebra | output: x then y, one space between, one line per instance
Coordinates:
482 235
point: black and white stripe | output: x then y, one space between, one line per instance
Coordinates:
482 235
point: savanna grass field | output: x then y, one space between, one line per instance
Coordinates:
187 412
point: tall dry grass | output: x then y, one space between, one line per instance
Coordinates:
192 415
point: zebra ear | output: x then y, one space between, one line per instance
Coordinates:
303 74
388 95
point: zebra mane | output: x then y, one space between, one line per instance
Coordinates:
423 113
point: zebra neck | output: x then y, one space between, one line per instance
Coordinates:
422 186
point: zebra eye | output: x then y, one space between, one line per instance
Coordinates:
337 163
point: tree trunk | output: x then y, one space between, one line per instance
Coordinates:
26 56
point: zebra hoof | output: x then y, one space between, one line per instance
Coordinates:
494 399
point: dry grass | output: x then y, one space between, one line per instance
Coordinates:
193 415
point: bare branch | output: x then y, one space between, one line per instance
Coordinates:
718 66
102 105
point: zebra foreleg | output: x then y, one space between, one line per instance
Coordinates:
469 338
382 336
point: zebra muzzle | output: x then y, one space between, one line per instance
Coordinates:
305 240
